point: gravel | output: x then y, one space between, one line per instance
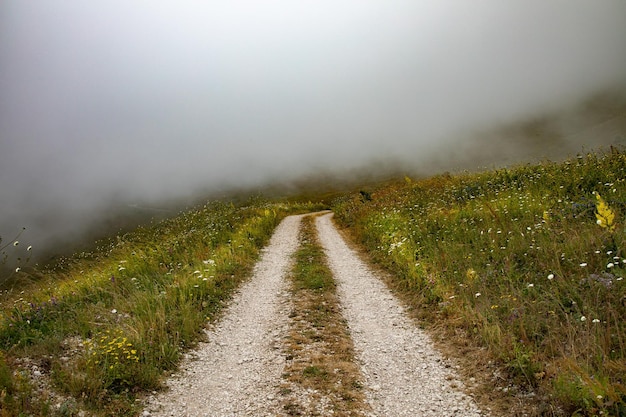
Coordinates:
405 375
238 371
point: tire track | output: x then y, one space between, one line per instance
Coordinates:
405 375
237 373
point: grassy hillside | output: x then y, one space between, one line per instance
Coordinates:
99 328
527 261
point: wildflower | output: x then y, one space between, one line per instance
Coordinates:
604 215
470 274
551 277
583 318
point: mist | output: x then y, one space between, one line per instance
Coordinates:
135 104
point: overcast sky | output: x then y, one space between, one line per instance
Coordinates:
156 99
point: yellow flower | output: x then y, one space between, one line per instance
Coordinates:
470 274
604 214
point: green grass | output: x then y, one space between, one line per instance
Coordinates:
523 261
105 326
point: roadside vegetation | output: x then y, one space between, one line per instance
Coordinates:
527 262
93 332
321 367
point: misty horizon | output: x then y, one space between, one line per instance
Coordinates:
116 103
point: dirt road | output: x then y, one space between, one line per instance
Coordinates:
238 372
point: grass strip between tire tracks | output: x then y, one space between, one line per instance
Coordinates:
321 373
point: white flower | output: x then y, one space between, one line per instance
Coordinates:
584 264
551 277
583 318
595 321
114 311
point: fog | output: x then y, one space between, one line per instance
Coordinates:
106 104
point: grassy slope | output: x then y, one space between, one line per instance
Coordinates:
526 261
515 259
100 328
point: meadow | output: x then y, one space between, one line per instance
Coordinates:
96 330
527 262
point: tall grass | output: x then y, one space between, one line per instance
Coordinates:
102 327
529 261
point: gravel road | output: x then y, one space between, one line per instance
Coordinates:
238 371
